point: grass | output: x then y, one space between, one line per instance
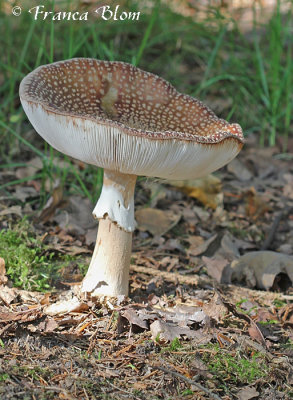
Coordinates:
234 367
30 264
38 377
175 345
238 368
33 372
201 58
4 377
274 71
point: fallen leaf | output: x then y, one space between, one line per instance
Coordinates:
182 315
155 221
288 188
55 201
215 308
202 214
134 318
49 325
171 321
170 245
264 315
256 204
238 169
215 266
76 216
198 245
45 300
140 386
167 332
198 367
72 250
169 263
3 277
21 316
247 393
207 190
256 334
33 166
24 192
229 249
7 295
158 192
35 184
11 210
286 248
66 306
65 237
264 269
250 308
29 297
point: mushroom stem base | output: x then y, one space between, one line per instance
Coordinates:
108 273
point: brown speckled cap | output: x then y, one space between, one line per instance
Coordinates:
119 117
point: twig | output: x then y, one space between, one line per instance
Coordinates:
6 328
274 227
92 341
57 389
190 381
86 395
171 276
123 390
243 293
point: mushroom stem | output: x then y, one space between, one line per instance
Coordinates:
108 273
116 199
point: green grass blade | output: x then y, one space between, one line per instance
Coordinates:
21 139
18 181
147 34
262 73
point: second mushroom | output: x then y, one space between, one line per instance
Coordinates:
129 122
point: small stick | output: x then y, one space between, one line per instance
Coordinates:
190 381
171 276
57 389
274 227
123 390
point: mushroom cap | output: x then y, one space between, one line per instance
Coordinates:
121 118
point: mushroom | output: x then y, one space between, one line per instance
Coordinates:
130 122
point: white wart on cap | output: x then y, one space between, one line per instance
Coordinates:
128 121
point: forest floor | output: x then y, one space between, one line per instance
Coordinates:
197 324
210 307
